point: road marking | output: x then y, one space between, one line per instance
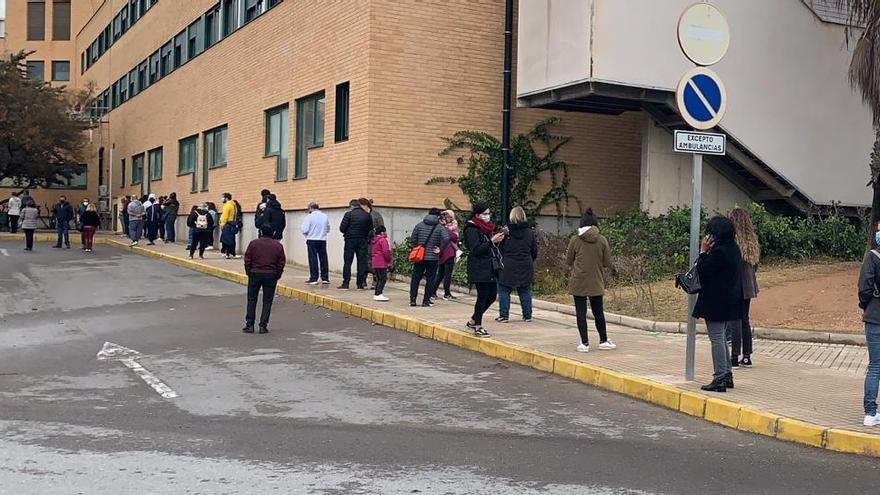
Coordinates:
4 252
128 357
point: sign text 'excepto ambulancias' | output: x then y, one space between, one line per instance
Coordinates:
700 142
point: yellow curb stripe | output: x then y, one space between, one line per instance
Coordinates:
800 432
722 412
758 422
852 442
693 404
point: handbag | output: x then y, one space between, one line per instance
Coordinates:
417 254
690 281
497 258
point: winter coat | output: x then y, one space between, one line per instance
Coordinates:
721 292
431 234
587 257
264 255
273 215
29 217
191 220
451 248
381 252
356 224
136 210
62 212
480 254
378 221
869 276
152 213
90 219
519 252
172 207
228 213
14 206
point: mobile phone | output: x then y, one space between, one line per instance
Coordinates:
505 230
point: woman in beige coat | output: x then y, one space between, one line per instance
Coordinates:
587 258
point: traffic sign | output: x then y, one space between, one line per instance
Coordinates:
701 98
703 34
700 142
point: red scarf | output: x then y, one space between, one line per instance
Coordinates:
486 227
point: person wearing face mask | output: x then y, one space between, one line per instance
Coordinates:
228 226
869 302
63 214
484 263
215 217
80 212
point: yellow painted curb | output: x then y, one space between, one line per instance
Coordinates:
565 367
666 396
442 334
542 361
496 349
757 422
800 432
852 442
610 380
693 404
426 330
722 412
586 373
637 387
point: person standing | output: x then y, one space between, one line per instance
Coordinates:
172 209
123 215
136 213
152 217
27 198
191 231
160 225
80 211
273 216
261 210
264 263
63 214
228 226
484 262
519 252
381 261
29 218
367 206
721 295
741 330
90 222
446 263
215 217
203 230
869 302
14 207
433 239
315 228
355 227
587 257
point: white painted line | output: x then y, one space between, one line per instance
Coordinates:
158 385
4 252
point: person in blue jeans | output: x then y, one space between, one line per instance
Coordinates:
518 253
63 214
869 302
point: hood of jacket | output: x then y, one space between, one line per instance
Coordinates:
589 234
518 230
274 204
431 220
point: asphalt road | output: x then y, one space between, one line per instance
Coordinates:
324 404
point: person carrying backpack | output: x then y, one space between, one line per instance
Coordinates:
202 224
228 226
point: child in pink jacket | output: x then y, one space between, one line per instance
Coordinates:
381 261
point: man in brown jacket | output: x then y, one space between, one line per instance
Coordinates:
264 263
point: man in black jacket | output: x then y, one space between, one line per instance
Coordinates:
272 216
355 227
261 210
63 213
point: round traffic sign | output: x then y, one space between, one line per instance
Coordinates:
701 98
703 34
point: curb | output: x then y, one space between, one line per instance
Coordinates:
711 409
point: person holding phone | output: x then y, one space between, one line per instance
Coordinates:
484 263
720 301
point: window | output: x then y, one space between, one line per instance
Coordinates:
82 62
167 59
36 70
61 20
194 33
340 133
251 10
77 180
309 130
215 147
36 21
230 17
187 155
155 157
122 173
137 169
134 12
132 83
271 3
123 89
180 49
212 26
143 82
123 18
117 27
277 138
154 67
61 70
114 96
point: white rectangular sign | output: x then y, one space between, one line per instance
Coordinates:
700 142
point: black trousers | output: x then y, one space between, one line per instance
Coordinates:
13 223
318 260
423 270
580 306
487 292
355 248
29 239
152 228
741 332
201 239
256 281
444 276
381 280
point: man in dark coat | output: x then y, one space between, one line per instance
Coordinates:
63 214
434 237
264 262
272 216
356 227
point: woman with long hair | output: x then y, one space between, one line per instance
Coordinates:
90 223
484 262
741 330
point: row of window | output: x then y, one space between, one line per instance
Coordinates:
36 20
36 70
218 22
125 19
309 135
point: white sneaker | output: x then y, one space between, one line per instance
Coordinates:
381 297
872 420
607 346
583 348
313 283
209 248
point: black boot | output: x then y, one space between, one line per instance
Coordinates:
412 302
717 385
728 380
248 329
734 361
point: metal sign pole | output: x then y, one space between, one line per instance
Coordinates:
696 207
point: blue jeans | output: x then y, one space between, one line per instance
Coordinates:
63 229
525 301
169 228
872 376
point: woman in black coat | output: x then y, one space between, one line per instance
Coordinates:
519 252
482 249
720 299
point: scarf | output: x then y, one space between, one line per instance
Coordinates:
486 227
452 224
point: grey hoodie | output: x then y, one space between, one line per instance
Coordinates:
422 235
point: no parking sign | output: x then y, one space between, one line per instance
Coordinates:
701 98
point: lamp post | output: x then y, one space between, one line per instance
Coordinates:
505 112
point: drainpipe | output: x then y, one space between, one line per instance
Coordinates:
505 112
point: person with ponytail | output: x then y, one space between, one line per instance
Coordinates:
484 263
741 330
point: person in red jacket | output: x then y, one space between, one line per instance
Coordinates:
264 263
381 261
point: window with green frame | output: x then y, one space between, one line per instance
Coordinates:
277 138
309 130
188 158
155 157
137 169
215 147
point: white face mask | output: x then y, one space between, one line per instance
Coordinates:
486 217
222 200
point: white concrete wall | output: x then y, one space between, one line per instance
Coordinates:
786 74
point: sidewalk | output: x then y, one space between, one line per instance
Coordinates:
818 384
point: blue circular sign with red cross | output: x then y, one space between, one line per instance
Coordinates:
701 98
